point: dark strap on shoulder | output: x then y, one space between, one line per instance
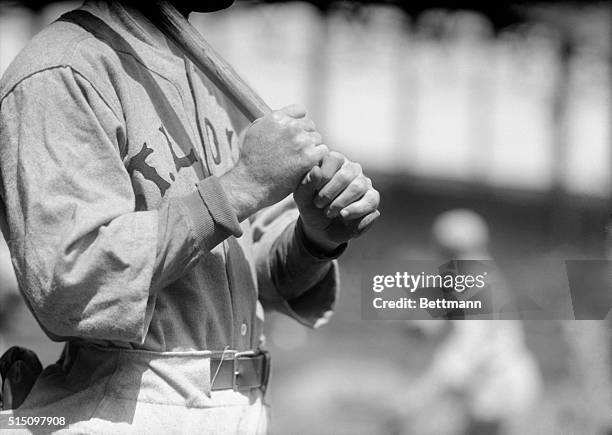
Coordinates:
164 109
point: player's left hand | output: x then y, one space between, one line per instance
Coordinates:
336 202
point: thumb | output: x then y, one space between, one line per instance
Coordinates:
309 184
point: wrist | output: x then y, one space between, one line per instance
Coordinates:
318 241
240 193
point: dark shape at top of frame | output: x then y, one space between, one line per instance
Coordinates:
501 14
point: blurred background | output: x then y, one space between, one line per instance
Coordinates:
487 128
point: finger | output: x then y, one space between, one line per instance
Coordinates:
366 222
305 124
354 191
367 204
317 154
308 186
294 111
314 178
310 138
337 184
331 164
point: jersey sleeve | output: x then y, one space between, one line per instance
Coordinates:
89 265
291 278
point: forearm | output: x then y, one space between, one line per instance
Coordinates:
296 265
103 278
189 226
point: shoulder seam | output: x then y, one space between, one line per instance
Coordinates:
75 71
73 43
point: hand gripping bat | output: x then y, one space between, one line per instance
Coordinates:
176 27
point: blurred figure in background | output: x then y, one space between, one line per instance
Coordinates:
461 234
590 370
482 373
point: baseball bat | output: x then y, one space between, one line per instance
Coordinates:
176 27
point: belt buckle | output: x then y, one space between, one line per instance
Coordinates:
238 355
265 376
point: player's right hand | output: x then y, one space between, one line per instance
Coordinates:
277 151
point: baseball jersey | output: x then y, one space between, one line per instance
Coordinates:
111 145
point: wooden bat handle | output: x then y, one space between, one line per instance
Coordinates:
175 26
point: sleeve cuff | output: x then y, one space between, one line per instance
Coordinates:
308 248
314 308
218 205
212 217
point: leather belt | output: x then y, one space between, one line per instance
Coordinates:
240 371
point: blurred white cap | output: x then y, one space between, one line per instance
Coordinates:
461 234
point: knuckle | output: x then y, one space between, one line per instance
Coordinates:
303 138
373 201
345 176
316 137
351 168
325 195
363 183
296 134
310 157
334 206
358 185
277 116
335 155
310 124
314 154
293 127
323 149
298 107
310 152
297 139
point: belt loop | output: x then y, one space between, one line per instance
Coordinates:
266 371
212 381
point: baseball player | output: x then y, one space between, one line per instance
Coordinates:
149 224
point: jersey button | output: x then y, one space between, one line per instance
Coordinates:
243 329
